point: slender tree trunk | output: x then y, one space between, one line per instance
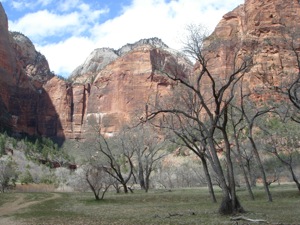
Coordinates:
251 195
235 204
208 179
250 173
92 188
125 188
261 168
226 204
294 177
147 182
141 175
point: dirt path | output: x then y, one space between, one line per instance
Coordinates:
20 203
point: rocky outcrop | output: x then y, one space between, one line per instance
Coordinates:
33 63
23 72
120 91
96 61
101 57
113 87
108 90
266 30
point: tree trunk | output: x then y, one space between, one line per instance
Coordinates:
250 173
235 204
125 188
208 179
141 176
294 177
243 169
92 188
226 206
261 168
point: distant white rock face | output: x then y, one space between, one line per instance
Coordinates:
154 42
101 57
95 62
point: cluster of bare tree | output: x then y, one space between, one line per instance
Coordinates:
126 159
215 116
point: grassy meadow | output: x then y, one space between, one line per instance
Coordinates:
180 206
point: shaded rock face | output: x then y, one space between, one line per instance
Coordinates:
110 89
265 30
113 87
25 105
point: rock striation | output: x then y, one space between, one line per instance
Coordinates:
266 30
113 87
109 89
101 57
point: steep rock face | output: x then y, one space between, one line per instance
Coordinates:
7 66
113 87
123 83
265 30
34 63
122 89
101 57
25 105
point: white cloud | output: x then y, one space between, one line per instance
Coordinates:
27 4
149 18
141 19
67 5
64 56
20 5
44 24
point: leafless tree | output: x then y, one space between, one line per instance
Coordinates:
236 119
118 157
209 109
251 113
282 140
148 151
98 180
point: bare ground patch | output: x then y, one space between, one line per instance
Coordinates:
9 208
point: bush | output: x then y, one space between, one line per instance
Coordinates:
8 174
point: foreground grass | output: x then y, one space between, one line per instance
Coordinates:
184 206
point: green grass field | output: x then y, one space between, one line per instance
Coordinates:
184 206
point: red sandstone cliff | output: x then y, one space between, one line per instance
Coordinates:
265 29
113 86
25 105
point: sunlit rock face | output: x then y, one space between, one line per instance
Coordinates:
113 87
121 90
266 31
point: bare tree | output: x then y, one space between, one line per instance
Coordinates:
148 150
236 120
98 180
118 157
251 112
185 133
282 140
211 94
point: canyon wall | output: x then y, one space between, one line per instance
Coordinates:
268 32
113 87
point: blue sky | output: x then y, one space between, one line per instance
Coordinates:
67 31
